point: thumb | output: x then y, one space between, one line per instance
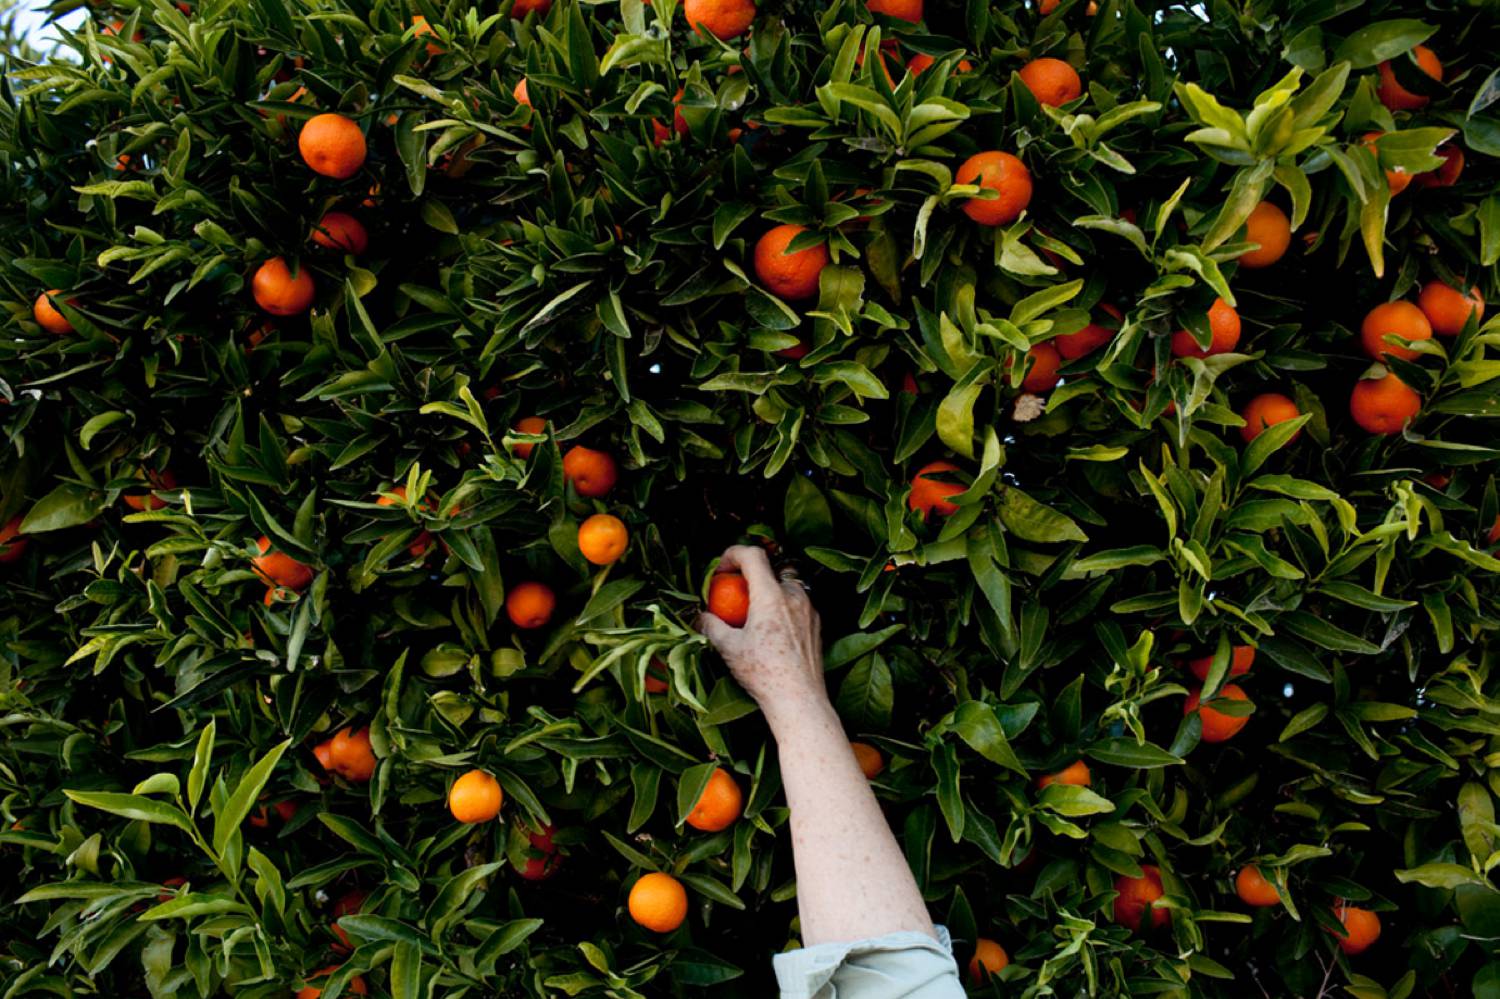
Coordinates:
723 636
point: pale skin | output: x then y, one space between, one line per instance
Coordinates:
852 878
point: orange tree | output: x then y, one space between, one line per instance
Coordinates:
329 323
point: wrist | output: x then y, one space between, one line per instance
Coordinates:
801 714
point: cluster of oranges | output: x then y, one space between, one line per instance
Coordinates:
349 754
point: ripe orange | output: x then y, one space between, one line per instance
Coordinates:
658 902
527 425
1043 360
1361 926
729 598
905 10
281 293
930 495
475 797
1383 405
530 604
1401 318
1135 896
1218 726
522 93
348 904
323 753
721 18
719 805
1075 773
1447 309
871 763
12 541
1051 81
1266 410
989 959
352 755
47 316
524 7
1241 658
1223 327
1253 888
421 29
656 677
1000 172
789 275
356 984
162 480
1397 178
1268 226
1072 346
602 538
332 145
1397 97
280 569
592 473
1446 175
341 231
423 541
922 62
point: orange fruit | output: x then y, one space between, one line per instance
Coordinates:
419 545
1253 888
522 93
1494 534
989 959
341 231
1361 928
1223 326
1268 226
922 62
1241 658
1447 309
658 902
602 538
1218 726
1051 81
656 677
524 7
720 18
323 753
871 763
719 805
796 352
47 316
352 755
332 145
475 797
279 292
1075 773
530 604
421 29
1401 318
1134 899
348 904
280 569
1000 172
1397 97
1446 175
12 541
904 10
162 480
356 984
1397 178
592 473
1383 405
527 425
729 598
1072 346
789 275
930 495
1265 410
1042 360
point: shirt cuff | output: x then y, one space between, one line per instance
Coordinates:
904 965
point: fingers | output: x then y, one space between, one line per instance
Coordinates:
713 628
751 562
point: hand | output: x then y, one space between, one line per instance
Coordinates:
778 655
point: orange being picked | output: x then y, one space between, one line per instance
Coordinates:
523 7
341 231
1134 899
789 275
1001 172
475 797
1241 658
530 604
929 495
1402 319
162 480
1268 226
1253 888
1051 81
48 317
1075 773
1042 362
719 805
871 763
1397 97
1266 410
1223 327
280 569
1072 346
658 902
720 18
729 598
904 10
332 145
527 425
602 538
1361 928
593 473
1397 178
356 984
989 959
1217 726
280 292
1447 309
12 541
1383 405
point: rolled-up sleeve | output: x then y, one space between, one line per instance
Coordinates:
897 966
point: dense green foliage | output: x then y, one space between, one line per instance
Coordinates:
571 262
